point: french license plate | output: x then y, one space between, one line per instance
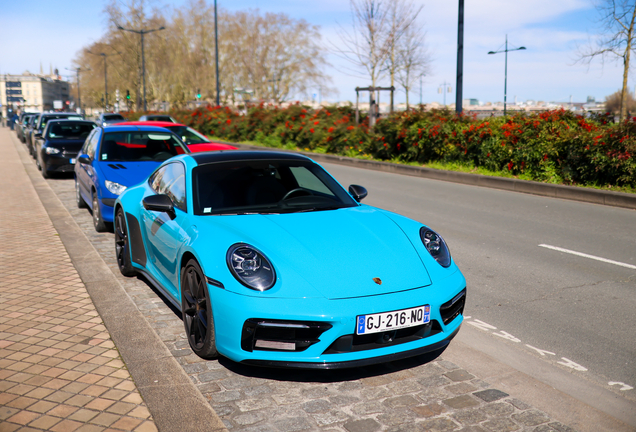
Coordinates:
380 322
71 161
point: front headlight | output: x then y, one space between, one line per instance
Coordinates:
115 188
51 150
250 267
436 246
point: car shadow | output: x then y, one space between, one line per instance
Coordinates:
329 376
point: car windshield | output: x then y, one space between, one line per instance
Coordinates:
70 130
108 117
139 146
188 135
48 118
272 186
159 118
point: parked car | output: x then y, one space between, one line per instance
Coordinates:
114 158
28 131
110 118
196 142
41 124
157 117
20 127
273 263
56 150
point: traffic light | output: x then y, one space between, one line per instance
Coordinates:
127 94
198 94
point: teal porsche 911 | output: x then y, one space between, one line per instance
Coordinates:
273 263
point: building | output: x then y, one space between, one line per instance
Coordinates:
34 93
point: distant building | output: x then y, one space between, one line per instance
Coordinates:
33 93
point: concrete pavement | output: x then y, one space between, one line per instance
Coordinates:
448 393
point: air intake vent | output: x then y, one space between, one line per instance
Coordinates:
451 309
269 335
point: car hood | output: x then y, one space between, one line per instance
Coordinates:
128 173
338 252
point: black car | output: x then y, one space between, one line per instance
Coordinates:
57 147
41 124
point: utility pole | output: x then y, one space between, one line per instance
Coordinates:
460 60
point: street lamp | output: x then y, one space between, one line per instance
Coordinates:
105 77
142 32
506 68
79 94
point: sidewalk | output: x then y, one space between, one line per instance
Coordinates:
59 368
42 230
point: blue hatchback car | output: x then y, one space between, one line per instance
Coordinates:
114 158
273 263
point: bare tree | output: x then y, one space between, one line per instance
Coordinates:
413 59
613 102
402 21
617 39
368 43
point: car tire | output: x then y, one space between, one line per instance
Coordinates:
78 197
122 245
196 310
98 222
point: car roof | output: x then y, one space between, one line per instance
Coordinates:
60 113
117 127
205 158
152 123
65 120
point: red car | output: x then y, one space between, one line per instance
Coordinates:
195 141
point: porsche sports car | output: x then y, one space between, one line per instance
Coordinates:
114 158
273 263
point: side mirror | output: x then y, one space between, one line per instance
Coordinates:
84 159
38 135
358 192
159 203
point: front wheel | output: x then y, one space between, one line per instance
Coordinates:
122 245
78 197
98 221
197 311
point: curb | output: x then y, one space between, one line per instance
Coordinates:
573 193
168 392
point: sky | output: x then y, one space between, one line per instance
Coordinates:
50 34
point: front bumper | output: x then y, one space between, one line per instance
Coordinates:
232 311
59 163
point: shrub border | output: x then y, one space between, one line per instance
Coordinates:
572 193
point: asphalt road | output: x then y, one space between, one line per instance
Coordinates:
571 310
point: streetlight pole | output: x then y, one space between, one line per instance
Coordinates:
459 84
142 32
506 68
79 94
216 53
104 55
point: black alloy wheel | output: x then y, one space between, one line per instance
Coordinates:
98 222
78 197
197 311
122 245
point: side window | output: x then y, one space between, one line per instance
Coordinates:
170 180
92 143
306 179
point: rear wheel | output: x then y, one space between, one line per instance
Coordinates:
122 245
98 222
197 311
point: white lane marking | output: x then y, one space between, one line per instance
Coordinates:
624 388
584 255
482 325
540 351
507 336
571 364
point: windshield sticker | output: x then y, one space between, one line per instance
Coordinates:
105 156
207 210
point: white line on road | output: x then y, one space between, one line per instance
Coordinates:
581 254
